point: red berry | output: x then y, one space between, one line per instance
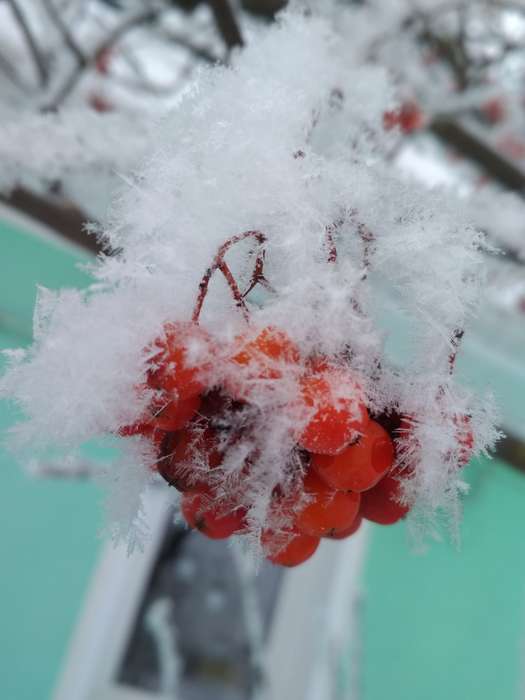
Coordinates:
361 465
215 519
390 119
381 504
194 454
494 110
327 510
102 60
343 534
174 415
288 548
408 117
180 357
263 356
100 103
336 401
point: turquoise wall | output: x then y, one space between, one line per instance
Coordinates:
444 626
48 528
450 625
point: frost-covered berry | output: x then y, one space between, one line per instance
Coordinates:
361 465
180 359
174 415
217 519
408 118
193 454
335 402
259 357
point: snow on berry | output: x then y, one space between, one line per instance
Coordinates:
235 344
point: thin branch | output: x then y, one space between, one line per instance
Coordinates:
9 71
67 36
219 264
131 22
226 23
454 134
330 241
455 341
198 51
34 49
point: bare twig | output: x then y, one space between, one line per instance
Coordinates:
131 22
9 71
220 264
67 36
200 52
34 49
330 241
226 23
455 341
461 138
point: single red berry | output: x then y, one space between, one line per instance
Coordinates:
390 119
265 355
317 363
193 455
410 117
336 403
361 465
102 60
381 503
343 534
494 110
174 415
179 360
100 103
327 510
265 351
215 519
289 547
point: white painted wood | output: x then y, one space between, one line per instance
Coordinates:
109 610
311 616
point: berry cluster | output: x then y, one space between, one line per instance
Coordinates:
408 117
207 415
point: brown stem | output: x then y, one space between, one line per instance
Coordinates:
457 336
113 37
367 238
226 23
38 59
220 264
67 36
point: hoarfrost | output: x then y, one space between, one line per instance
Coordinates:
289 142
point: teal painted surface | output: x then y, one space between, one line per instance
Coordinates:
445 625
450 624
25 262
48 528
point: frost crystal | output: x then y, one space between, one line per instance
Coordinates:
287 142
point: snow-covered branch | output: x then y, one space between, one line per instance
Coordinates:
288 144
